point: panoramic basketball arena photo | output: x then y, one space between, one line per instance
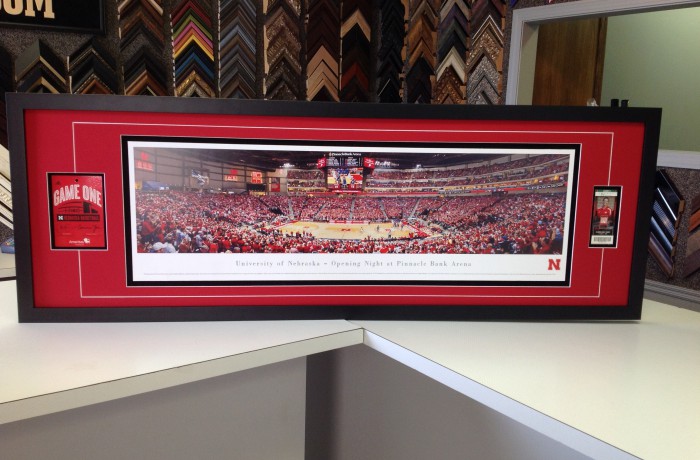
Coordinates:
362 210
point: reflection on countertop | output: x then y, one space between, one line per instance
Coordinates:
7 266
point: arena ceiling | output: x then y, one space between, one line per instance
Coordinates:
271 160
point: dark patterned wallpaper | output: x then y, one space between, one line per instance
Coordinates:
688 184
5 233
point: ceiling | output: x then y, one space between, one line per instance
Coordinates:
273 159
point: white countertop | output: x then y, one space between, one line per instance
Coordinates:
607 389
52 367
632 385
7 265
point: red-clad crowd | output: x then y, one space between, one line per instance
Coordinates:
526 164
517 176
305 174
174 221
368 209
398 208
543 168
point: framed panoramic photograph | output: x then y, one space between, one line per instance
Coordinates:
182 209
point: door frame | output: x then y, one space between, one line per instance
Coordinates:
523 49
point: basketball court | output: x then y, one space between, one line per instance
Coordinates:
348 231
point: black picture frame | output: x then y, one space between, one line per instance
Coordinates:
631 135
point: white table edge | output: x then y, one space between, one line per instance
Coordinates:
538 421
11 411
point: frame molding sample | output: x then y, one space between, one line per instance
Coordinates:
157 209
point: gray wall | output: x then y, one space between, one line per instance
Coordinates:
364 405
360 405
652 59
256 414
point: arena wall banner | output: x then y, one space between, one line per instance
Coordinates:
160 209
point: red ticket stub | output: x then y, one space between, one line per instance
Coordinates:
77 211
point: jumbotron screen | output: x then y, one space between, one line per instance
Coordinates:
344 179
344 171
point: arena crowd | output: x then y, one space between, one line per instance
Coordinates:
199 222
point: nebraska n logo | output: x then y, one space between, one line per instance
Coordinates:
554 264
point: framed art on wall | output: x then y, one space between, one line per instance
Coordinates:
182 209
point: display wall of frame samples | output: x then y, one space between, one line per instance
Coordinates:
666 216
692 256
